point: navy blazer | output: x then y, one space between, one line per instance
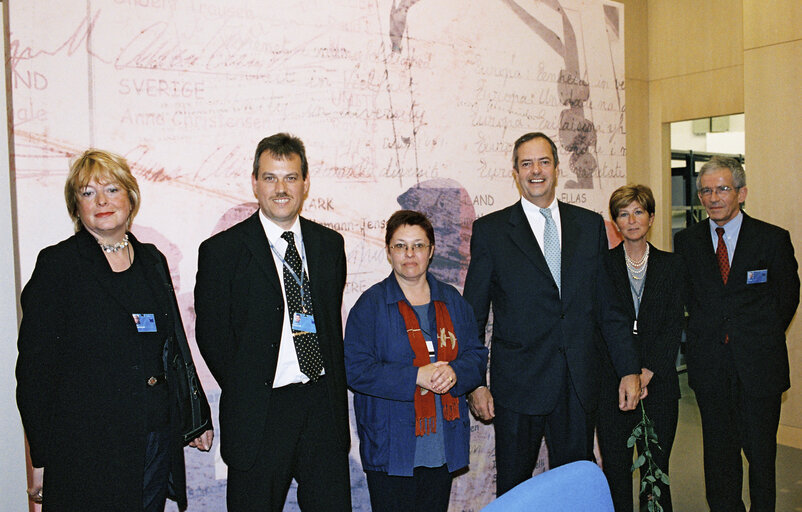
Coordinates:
661 318
240 313
537 330
755 316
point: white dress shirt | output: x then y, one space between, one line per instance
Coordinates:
288 371
537 222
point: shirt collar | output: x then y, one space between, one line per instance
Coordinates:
273 231
731 228
533 208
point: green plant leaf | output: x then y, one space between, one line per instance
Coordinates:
664 479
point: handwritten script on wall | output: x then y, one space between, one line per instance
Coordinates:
403 103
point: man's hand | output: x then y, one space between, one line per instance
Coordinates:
481 402
629 392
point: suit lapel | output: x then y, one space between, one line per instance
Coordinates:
706 252
256 241
161 289
524 239
569 237
748 240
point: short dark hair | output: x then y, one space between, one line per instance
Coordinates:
408 218
623 197
281 146
526 138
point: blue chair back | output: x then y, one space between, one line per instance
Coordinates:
575 487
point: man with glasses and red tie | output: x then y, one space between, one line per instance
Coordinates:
743 292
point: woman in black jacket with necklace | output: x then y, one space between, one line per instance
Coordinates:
648 281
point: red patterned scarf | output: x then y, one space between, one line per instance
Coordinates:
425 412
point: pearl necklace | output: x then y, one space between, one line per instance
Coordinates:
637 269
119 246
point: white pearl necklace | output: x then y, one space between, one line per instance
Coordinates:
637 269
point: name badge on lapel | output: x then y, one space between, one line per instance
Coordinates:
303 322
757 276
145 322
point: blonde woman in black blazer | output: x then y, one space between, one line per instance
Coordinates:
96 398
648 282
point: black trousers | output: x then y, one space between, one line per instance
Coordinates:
568 431
732 420
614 427
300 443
428 489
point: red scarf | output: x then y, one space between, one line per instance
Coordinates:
425 412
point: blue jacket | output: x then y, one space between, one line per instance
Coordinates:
379 370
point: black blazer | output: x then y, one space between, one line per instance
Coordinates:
240 313
81 382
755 316
535 329
661 318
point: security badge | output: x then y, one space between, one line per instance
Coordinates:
145 322
757 276
303 322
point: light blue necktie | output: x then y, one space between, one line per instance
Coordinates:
551 246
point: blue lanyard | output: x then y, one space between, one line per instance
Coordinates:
298 281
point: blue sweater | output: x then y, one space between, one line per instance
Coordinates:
379 369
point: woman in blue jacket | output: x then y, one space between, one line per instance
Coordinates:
411 356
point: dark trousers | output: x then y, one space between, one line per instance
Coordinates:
299 442
428 489
614 427
733 420
568 437
157 472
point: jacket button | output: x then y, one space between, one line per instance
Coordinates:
562 316
268 383
274 345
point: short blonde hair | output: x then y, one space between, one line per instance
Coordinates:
103 167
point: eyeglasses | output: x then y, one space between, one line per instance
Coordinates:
417 247
720 190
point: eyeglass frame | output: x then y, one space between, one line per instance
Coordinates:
720 190
403 248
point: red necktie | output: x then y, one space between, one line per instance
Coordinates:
721 256
723 263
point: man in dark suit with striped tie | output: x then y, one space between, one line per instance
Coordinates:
743 292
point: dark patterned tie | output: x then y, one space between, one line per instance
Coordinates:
306 344
723 263
721 256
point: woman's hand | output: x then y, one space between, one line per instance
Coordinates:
437 377
204 441
35 489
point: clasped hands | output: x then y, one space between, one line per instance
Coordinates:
437 377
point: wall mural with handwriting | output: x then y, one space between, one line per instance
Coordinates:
401 103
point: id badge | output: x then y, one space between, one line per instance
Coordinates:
145 322
303 322
757 276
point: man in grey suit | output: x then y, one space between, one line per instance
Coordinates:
268 299
743 292
540 263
